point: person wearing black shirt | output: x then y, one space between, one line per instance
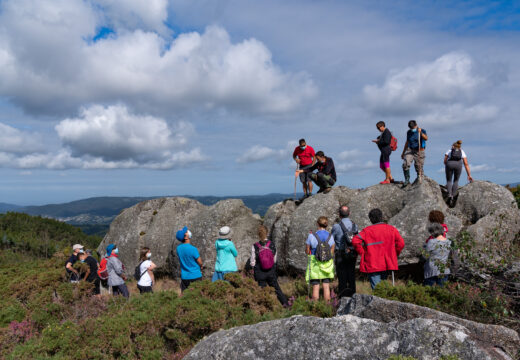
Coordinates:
91 273
383 143
325 178
69 265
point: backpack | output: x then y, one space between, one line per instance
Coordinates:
348 235
265 255
102 271
323 250
456 155
393 143
137 272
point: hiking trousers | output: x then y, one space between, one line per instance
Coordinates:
269 278
453 171
346 272
415 156
322 180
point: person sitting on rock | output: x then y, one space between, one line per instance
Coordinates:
437 254
263 262
320 259
413 151
116 272
436 216
226 254
146 267
345 255
305 157
325 178
378 245
189 258
91 275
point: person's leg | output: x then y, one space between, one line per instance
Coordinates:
184 285
374 278
124 290
97 287
419 157
407 162
326 289
304 181
350 272
449 177
316 291
441 280
384 275
457 170
385 161
115 290
272 281
430 281
341 272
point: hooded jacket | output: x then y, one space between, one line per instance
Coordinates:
115 271
226 254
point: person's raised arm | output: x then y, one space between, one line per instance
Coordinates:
423 134
466 165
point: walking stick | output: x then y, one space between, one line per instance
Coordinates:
393 281
419 175
295 177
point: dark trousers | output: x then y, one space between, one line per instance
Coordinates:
144 289
186 283
265 278
121 290
346 271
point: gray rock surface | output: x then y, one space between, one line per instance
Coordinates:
153 223
341 337
481 208
496 339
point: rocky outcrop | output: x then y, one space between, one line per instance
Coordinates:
496 340
153 223
342 337
482 207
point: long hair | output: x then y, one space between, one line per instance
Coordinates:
142 254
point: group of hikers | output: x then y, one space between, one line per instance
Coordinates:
414 148
329 254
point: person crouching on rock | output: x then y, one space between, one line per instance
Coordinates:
226 254
383 143
320 259
146 267
189 257
116 272
378 245
325 178
263 262
437 253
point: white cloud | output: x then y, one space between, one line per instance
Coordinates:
19 142
481 168
259 153
49 63
443 117
448 79
349 154
356 166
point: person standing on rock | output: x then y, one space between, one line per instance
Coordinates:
383 143
305 157
226 254
146 267
437 254
116 272
320 251
189 258
345 255
325 178
263 262
413 151
453 160
378 245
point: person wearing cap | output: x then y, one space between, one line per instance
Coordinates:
226 254
116 272
69 265
189 258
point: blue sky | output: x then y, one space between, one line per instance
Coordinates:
157 97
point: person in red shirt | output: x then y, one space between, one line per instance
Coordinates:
305 157
378 245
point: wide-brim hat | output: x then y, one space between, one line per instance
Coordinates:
225 231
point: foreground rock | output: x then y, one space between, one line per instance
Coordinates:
496 340
482 207
153 223
341 337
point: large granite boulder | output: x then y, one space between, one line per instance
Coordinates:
496 339
341 337
153 223
481 208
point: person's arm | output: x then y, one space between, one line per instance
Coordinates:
466 165
311 169
445 159
357 244
87 273
295 156
253 256
69 267
118 266
385 138
199 261
423 134
329 166
150 272
308 249
404 149
234 250
332 249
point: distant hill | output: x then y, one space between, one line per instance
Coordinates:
8 207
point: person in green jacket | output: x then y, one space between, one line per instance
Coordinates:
226 254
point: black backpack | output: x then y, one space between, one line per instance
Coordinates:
347 237
456 155
137 271
323 250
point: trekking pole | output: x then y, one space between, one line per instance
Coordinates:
393 281
295 177
419 175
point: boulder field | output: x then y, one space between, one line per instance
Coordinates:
486 211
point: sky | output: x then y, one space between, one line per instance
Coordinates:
203 97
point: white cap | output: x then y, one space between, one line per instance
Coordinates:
76 247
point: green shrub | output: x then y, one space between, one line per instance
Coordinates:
10 310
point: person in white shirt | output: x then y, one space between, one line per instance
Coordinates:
453 160
147 280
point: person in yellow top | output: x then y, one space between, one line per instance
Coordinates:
320 253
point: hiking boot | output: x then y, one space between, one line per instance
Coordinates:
320 190
406 178
327 190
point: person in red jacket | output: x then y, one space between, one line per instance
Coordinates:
378 245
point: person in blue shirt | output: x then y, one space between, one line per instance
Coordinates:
413 151
189 257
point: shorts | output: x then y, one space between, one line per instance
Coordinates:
317 281
144 289
305 176
384 159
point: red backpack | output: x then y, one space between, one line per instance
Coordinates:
102 271
265 255
393 143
